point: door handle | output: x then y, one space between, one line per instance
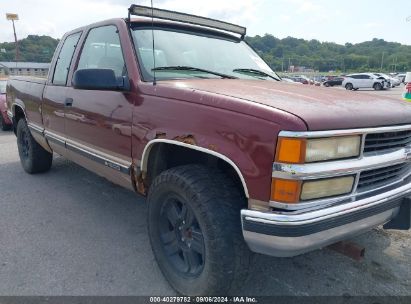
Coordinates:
68 102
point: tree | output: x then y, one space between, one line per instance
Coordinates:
33 48
325 56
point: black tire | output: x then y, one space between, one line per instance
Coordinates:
349 86
33 157
3 125
326 84
377 86
210 236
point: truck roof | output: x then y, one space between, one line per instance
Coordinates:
157 22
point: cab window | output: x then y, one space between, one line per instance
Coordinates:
102 50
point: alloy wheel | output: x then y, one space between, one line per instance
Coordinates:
181 238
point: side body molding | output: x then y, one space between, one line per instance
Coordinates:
152 143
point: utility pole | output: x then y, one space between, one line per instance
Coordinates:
14 17
382 61
395 65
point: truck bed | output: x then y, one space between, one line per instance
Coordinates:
27 92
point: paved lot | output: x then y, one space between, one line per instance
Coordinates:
394 92
69 232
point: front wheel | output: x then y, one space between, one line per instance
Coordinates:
377 86
33 157
349 86
195 230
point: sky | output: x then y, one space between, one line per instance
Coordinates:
325 20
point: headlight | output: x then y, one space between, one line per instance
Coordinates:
308 150
332 148
294 191
327 187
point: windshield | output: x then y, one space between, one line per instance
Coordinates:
3 84
176 49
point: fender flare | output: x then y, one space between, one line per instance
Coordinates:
152 143
21 106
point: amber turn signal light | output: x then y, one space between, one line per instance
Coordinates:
290 150
286 191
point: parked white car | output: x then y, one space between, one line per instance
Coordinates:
365 80
395 82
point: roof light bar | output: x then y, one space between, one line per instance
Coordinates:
145 11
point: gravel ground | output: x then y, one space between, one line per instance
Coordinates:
70 232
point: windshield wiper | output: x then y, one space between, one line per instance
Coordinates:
188 68
255 72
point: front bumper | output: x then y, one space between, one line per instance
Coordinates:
287 234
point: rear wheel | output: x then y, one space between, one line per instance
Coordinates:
33 157
326 84
377 86
195 230
349 86
3 125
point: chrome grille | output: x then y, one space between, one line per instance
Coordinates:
382 176
387 140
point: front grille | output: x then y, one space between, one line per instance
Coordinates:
382 176
387 140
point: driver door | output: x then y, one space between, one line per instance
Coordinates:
98 122
367 81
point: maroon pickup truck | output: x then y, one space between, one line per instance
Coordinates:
231 158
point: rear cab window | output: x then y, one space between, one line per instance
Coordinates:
64 59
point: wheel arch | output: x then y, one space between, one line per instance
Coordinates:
378 84
145 159
18 113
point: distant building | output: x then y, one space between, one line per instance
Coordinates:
24 69
302 69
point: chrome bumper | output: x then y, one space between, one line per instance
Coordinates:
283 234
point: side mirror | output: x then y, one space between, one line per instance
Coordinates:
99 79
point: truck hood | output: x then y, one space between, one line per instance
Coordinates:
320 108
